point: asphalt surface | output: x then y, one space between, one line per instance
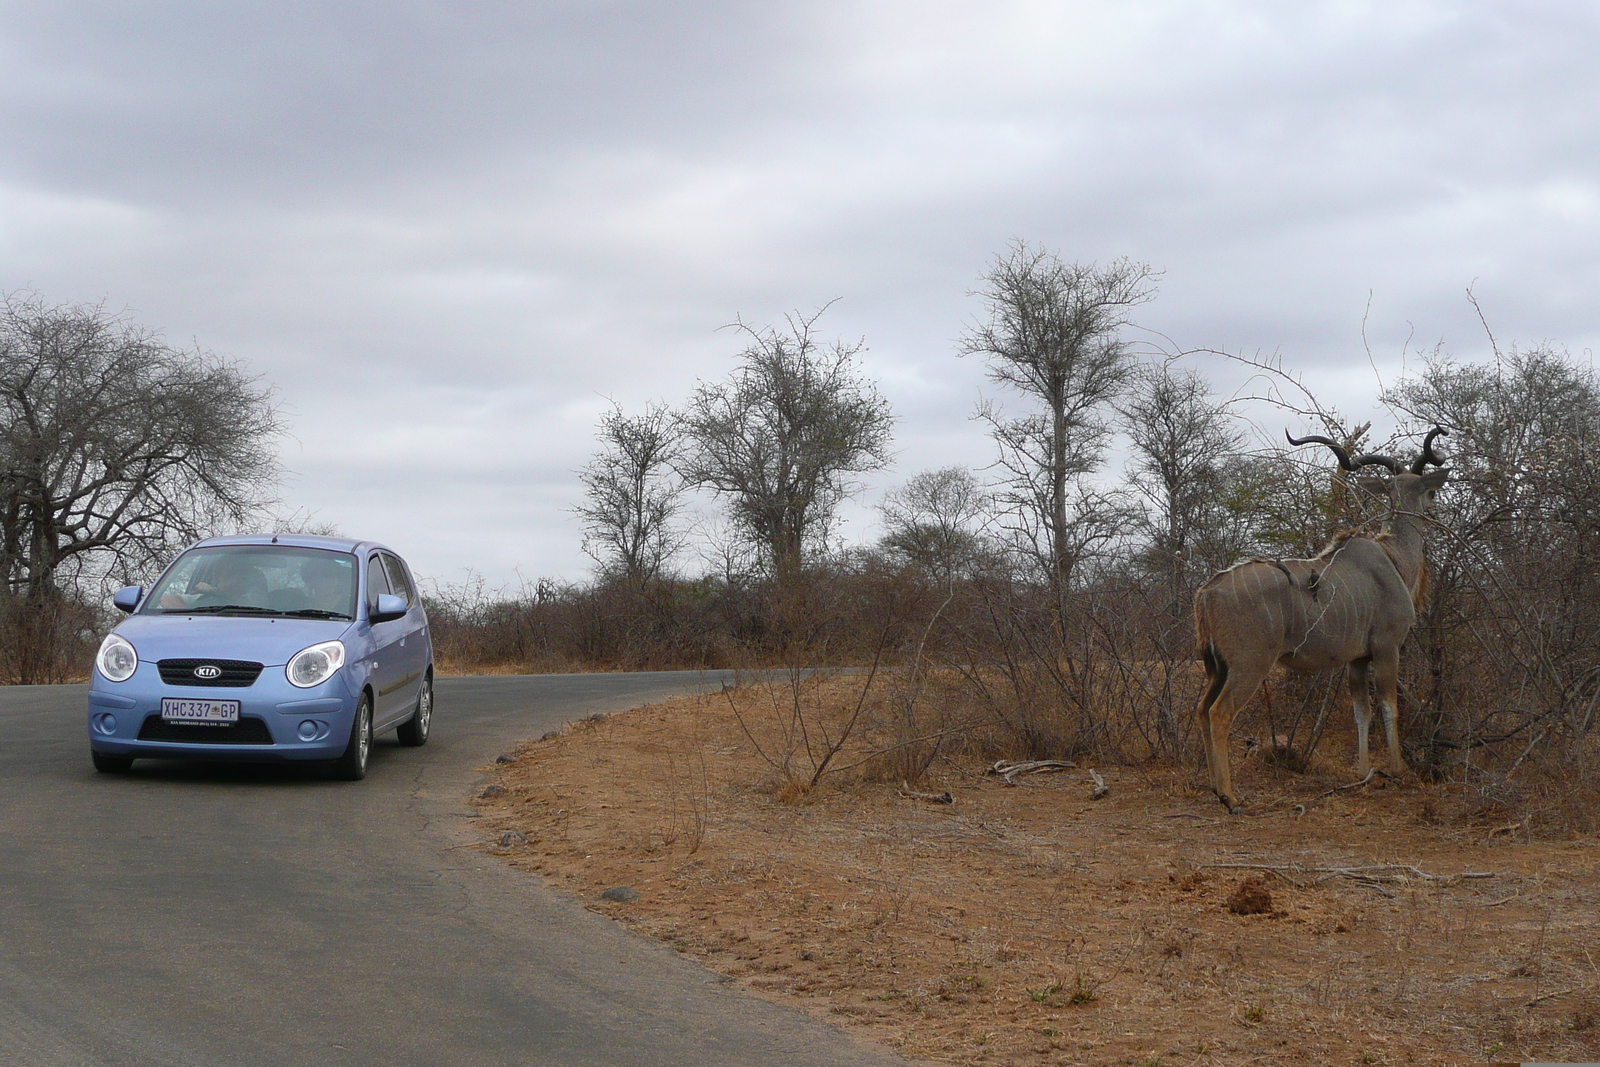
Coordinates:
220 914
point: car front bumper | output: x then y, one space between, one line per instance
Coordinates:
277 721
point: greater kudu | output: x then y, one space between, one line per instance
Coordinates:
1352 604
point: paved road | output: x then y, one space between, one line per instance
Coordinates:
214 915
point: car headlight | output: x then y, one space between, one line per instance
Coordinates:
116 658
315 665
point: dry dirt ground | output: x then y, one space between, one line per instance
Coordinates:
1031 925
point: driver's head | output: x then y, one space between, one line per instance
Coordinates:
322 575
233 574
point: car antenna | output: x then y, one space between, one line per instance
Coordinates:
274 538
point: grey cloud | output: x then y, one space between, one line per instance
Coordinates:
480 219
174 100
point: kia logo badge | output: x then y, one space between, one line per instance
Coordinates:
208 671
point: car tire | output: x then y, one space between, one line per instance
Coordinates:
414 731
352 766
106 763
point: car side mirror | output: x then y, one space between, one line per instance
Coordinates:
389 607
127 598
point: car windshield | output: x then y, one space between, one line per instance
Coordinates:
306 583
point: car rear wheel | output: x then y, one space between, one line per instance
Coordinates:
109 764
352 766
414 731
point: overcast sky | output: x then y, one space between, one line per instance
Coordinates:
448 232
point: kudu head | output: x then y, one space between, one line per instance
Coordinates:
1411 490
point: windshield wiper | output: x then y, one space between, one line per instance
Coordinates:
253 609
216 609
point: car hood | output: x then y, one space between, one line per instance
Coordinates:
269 642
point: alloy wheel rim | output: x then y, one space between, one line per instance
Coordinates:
366 737
425 713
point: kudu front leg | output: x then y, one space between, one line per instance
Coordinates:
1387 666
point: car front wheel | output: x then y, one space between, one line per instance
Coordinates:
414 731
352 766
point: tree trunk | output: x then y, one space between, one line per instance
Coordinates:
29 628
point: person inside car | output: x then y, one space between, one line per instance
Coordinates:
327 584
233 581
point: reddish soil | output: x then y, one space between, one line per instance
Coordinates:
1030 925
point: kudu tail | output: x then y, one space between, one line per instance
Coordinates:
1216 666
1217 671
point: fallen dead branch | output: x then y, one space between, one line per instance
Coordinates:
1100 787
1375 874
1352 785
1007 771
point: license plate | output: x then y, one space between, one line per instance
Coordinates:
200 712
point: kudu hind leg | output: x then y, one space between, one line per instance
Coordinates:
1237 690
1361 704
1216 674
1386 666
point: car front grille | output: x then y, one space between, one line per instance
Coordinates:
244 732
236 673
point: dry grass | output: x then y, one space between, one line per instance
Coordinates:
1027 924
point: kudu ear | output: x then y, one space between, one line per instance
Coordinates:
1435 479
1371 483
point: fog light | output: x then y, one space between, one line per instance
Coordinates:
105 722
308 730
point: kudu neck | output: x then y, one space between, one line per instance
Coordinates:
1402 539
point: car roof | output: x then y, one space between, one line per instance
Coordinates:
334 544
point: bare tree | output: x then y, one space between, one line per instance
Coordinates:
114 446
783 437
930 520
1181 441
303 521
1181 438
633 494
1053 334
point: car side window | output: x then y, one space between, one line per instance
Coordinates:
398 581
377 584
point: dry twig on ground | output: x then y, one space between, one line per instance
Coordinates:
1008 771
1373 874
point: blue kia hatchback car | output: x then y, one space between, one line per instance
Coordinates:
265 648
